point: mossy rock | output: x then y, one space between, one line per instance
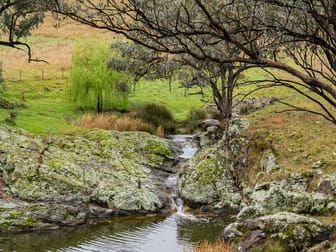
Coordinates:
206 180
102 164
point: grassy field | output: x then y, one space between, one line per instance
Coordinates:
41 87
299 139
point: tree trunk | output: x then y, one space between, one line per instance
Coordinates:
99 105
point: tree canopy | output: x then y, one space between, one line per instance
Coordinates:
270 34
93 86
17 19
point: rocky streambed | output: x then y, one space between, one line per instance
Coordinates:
50 182
282 210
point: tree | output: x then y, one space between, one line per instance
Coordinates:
260 33
139 62
17 19
93 84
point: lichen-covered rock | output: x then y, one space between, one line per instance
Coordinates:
327 184
211 136
210 177
206 180
292 193
275 199
294 231
268 161
111 168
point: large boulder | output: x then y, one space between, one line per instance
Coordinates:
209 180
112 169
294 232
206 180
289 195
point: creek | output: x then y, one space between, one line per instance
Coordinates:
177 232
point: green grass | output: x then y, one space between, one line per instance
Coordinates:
158 92
47 108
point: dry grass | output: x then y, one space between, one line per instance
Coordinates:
58 56
52 43
112 122
67 28
219 246
298 139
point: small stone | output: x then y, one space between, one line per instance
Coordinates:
268 161
255 238
262 186
248 212
231 232
331 207
317 164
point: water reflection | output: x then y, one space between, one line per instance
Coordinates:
149 234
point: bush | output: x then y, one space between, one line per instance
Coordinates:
156 115
193 119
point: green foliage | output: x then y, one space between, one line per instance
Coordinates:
92 84
193 119
17 19
157 115
138 62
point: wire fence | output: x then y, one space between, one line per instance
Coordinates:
21 74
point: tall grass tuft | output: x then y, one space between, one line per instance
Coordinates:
219 246
112 122
92 85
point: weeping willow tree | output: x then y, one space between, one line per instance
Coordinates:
94 86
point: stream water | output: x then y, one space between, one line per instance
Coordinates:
174 233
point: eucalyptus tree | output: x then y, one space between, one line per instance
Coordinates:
138 62
263 33
17 19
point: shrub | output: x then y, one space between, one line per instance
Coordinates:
193 119
156 115
112 122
